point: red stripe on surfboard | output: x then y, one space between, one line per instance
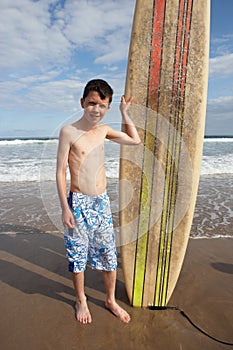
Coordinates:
156 52
178 50
185 48
180 70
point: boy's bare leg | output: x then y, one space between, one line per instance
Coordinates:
81 309
110 286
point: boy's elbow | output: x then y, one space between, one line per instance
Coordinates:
137 141
60 173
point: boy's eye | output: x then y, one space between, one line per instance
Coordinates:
102 106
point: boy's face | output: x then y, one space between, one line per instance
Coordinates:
94 107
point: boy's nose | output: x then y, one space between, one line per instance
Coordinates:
96 108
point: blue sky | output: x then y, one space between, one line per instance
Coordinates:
49 49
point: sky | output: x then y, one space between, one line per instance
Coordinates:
51 48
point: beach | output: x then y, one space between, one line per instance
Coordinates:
37 297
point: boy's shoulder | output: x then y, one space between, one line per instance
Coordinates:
69 132
68 128
76 127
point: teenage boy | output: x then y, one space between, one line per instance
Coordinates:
86 215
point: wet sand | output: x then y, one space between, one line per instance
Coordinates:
37 301
37 296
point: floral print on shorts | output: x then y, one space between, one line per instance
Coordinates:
93 237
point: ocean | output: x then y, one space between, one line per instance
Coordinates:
28 166
35 159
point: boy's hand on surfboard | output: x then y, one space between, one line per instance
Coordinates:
125 104
129 127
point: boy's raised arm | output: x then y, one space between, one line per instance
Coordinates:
130 135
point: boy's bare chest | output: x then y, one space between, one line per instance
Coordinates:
89 145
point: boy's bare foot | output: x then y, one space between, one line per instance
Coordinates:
118 311
82 312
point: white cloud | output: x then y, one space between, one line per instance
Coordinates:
89 22
60 95
226 38
220 116
41 45
39 77
221 107
55 95
29 39
101 27
221 66
43 34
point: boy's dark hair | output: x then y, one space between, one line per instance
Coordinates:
101 86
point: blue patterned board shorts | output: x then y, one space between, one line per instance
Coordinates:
93 237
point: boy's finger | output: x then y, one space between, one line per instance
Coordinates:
72 222
126 101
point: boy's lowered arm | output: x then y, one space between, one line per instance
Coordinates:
62 160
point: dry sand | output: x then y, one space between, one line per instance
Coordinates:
37 301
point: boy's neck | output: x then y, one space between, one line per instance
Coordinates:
84 124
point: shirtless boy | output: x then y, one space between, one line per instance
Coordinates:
86 215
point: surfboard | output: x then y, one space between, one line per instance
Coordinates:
167 75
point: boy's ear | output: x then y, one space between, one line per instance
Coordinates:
82 102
